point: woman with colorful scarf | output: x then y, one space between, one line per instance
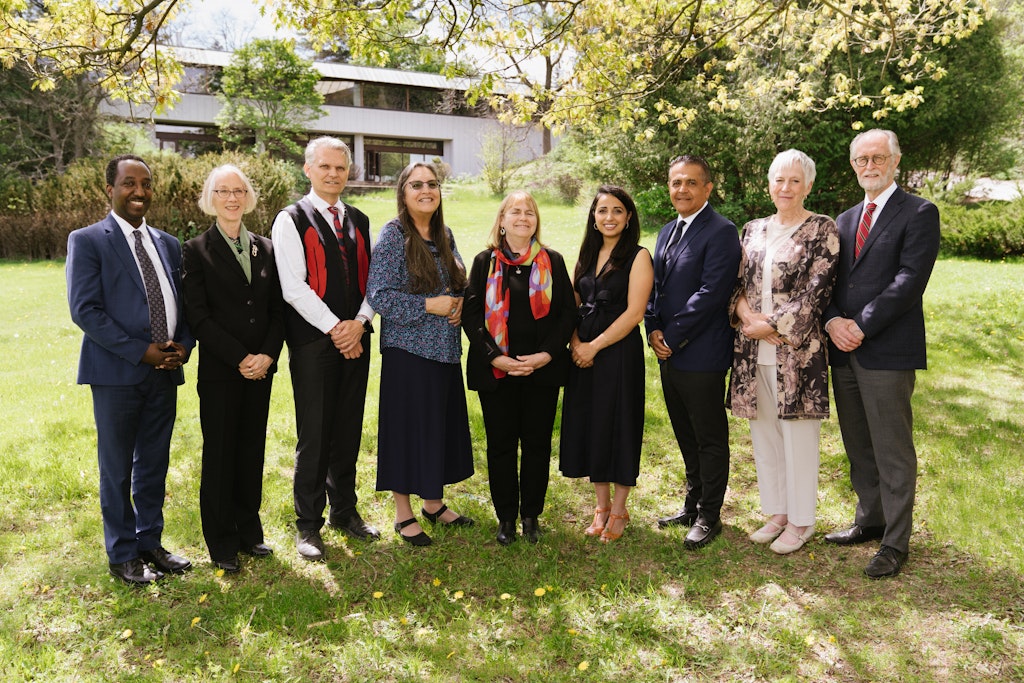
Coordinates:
519 315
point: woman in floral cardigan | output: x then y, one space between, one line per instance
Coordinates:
779 375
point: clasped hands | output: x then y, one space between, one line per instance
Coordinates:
255 366
845 333
521 366
583 353
165 356
347 337
449 307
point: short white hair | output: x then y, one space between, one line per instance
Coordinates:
330 143
894 143
793 157
206 197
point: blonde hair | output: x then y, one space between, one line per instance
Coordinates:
206 196
495 240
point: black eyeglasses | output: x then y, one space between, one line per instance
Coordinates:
876 159
236 193
418 184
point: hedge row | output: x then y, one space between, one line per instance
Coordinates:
988 230
35 219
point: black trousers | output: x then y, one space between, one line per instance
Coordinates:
233 415
520 413
329 392
696 408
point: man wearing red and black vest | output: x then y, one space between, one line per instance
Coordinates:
322 248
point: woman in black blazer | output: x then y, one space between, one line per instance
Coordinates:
519 315
233 306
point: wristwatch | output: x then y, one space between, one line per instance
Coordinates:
367 327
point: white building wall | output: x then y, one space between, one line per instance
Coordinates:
462 135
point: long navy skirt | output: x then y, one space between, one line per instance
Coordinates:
423 440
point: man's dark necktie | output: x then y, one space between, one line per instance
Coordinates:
157 311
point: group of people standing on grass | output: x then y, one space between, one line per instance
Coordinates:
776 304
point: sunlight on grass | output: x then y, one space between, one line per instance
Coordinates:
568 608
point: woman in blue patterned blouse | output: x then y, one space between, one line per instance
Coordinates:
416 284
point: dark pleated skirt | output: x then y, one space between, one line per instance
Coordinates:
423 440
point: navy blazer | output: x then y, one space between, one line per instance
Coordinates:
882 290
692 288
229 316
108 301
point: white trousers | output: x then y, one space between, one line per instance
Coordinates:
786 455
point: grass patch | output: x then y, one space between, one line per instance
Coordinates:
641 609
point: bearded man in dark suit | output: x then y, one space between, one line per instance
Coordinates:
875 322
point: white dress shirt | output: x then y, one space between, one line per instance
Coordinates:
170 301
290 256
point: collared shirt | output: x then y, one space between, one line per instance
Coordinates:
291 268
170 300
241 250
682 224
879 203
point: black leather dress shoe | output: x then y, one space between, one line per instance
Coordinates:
683 518
855 534
309 544
435 518
166 562
230 566
134 572
354 526
531 529
887 562
258 550
507 532
421 539
701 533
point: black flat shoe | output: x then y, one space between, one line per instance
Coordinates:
887 562
531 529
420 539
229 566
435 518
507 532
855 534
258 550
701 533
682 518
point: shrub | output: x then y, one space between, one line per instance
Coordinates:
35 219
988 230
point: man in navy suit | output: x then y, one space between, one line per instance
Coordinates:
887 248
124 291
696 261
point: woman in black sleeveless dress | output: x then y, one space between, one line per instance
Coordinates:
603 408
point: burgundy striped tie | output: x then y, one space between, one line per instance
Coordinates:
864 228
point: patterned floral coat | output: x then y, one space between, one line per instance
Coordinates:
803 273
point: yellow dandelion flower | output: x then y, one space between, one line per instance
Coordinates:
147 658
810 556
573 632
45 589
202 598
583 666
506 596
832 639
195 620
549 588
126 634
436 582
403 621
235 668
539 592
377 595
219 573
458 595
604 587
358 553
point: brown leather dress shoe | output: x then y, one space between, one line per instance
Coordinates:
134 572
165 561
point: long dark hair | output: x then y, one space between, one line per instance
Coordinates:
423 275
593 239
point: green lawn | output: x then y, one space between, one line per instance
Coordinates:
641 609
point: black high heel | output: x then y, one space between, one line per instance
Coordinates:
435 518
420 539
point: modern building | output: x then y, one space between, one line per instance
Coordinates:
388 117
